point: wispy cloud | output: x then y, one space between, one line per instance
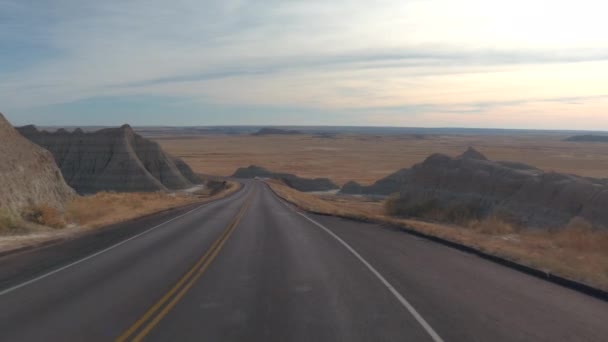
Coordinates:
327 57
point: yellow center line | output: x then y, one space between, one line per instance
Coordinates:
189 279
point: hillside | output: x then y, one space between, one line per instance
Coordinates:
293 181
113 159
28 174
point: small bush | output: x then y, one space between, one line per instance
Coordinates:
492 225
85 209
44 215
463 213
454 212
397 206
580 235
9 223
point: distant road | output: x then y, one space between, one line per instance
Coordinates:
250 268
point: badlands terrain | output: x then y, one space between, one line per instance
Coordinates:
558 225
365 158
115 159
59 185
510 198
535 197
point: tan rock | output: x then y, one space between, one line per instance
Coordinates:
28 173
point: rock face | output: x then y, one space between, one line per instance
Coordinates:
28 173
472 185
588 138
114 159
301 184
276 131
384 187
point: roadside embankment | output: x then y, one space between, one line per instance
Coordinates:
42 225
576 252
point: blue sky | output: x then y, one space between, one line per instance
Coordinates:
434 63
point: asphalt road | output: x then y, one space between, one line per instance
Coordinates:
251 268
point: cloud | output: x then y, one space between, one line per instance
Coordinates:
321 56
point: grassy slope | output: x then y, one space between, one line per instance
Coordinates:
577 252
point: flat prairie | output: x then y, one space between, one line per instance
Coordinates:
367 158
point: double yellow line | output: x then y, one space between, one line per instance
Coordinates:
150 319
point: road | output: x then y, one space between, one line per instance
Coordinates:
251 268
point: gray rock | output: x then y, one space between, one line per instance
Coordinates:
114 159
588 138
383 187
479 187
298 183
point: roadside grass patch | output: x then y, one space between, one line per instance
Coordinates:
578 251
9 223
44 215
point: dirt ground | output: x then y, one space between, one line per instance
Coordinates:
366 158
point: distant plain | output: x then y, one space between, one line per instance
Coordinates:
366 158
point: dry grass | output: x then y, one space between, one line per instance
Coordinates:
9 223
367 158
577 252
90 212
105 208
353 208
45 215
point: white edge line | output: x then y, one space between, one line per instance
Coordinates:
383 280
48 274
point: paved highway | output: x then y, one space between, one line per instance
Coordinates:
251 268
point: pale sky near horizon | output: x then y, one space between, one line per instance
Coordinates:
433 63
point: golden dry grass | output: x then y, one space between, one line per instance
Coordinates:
367 158
577 252
45 215
105 208
40 224
9 223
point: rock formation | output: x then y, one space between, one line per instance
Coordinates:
298 183
28 174
276 131
472 186
114 159
383 187
588 138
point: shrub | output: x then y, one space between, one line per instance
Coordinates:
44 215
463 212
85 209
492 225
397 206
579 234
9 223
459 212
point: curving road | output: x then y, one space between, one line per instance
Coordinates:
251 268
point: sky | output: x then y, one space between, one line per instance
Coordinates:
535 64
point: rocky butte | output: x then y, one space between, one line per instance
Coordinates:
293 181
115 159
470 185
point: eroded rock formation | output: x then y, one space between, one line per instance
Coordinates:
28 173
472 186
114 159
298 183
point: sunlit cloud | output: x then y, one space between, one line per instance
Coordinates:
443 63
